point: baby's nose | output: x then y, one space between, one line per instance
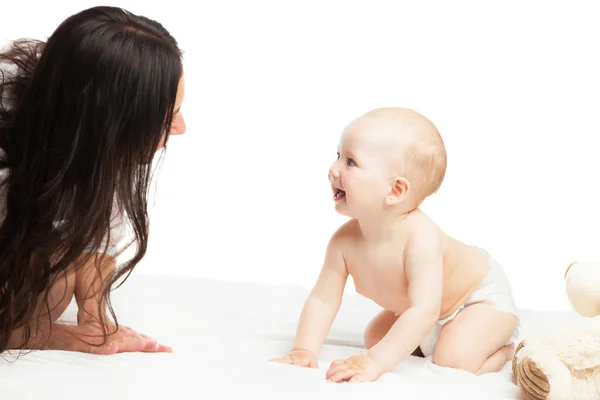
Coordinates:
333 175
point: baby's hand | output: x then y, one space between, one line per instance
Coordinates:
358 368
87 338
300 358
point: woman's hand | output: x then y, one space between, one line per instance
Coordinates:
88 338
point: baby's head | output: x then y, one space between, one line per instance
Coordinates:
388 159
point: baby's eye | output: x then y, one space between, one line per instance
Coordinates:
350 162
338 156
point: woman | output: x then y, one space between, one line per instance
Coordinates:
81 117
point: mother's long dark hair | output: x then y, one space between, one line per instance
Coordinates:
81 117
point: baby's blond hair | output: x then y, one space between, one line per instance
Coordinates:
422 158
423 163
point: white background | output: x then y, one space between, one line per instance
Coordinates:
513 87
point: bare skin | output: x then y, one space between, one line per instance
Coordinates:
87 335
378 270
454 348
399 258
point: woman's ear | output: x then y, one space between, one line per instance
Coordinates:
399 191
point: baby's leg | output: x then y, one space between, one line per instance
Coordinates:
379 327
476 340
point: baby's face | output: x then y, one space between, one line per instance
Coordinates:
388 157
361 176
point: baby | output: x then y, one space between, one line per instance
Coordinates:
443 297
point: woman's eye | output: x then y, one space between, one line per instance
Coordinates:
350 162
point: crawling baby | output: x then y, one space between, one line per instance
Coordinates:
440 297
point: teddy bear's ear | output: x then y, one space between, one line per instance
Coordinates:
515 361
568 268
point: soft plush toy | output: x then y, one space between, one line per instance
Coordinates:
565 364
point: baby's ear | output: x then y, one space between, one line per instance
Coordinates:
398 191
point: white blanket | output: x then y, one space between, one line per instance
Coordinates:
223 333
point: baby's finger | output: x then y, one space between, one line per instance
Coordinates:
298 362
333 369
358 378
313 363
338 362
342 375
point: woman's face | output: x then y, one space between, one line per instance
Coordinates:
178 125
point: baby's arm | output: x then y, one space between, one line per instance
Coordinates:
322 304
324 301
423 268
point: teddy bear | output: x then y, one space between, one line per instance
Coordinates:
565 363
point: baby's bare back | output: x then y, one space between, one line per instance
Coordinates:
378 269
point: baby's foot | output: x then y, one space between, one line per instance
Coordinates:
509 351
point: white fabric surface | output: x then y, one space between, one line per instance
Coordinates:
223 333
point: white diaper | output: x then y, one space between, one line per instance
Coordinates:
494 290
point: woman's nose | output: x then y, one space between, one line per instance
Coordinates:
178 127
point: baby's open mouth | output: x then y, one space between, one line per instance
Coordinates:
338 194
